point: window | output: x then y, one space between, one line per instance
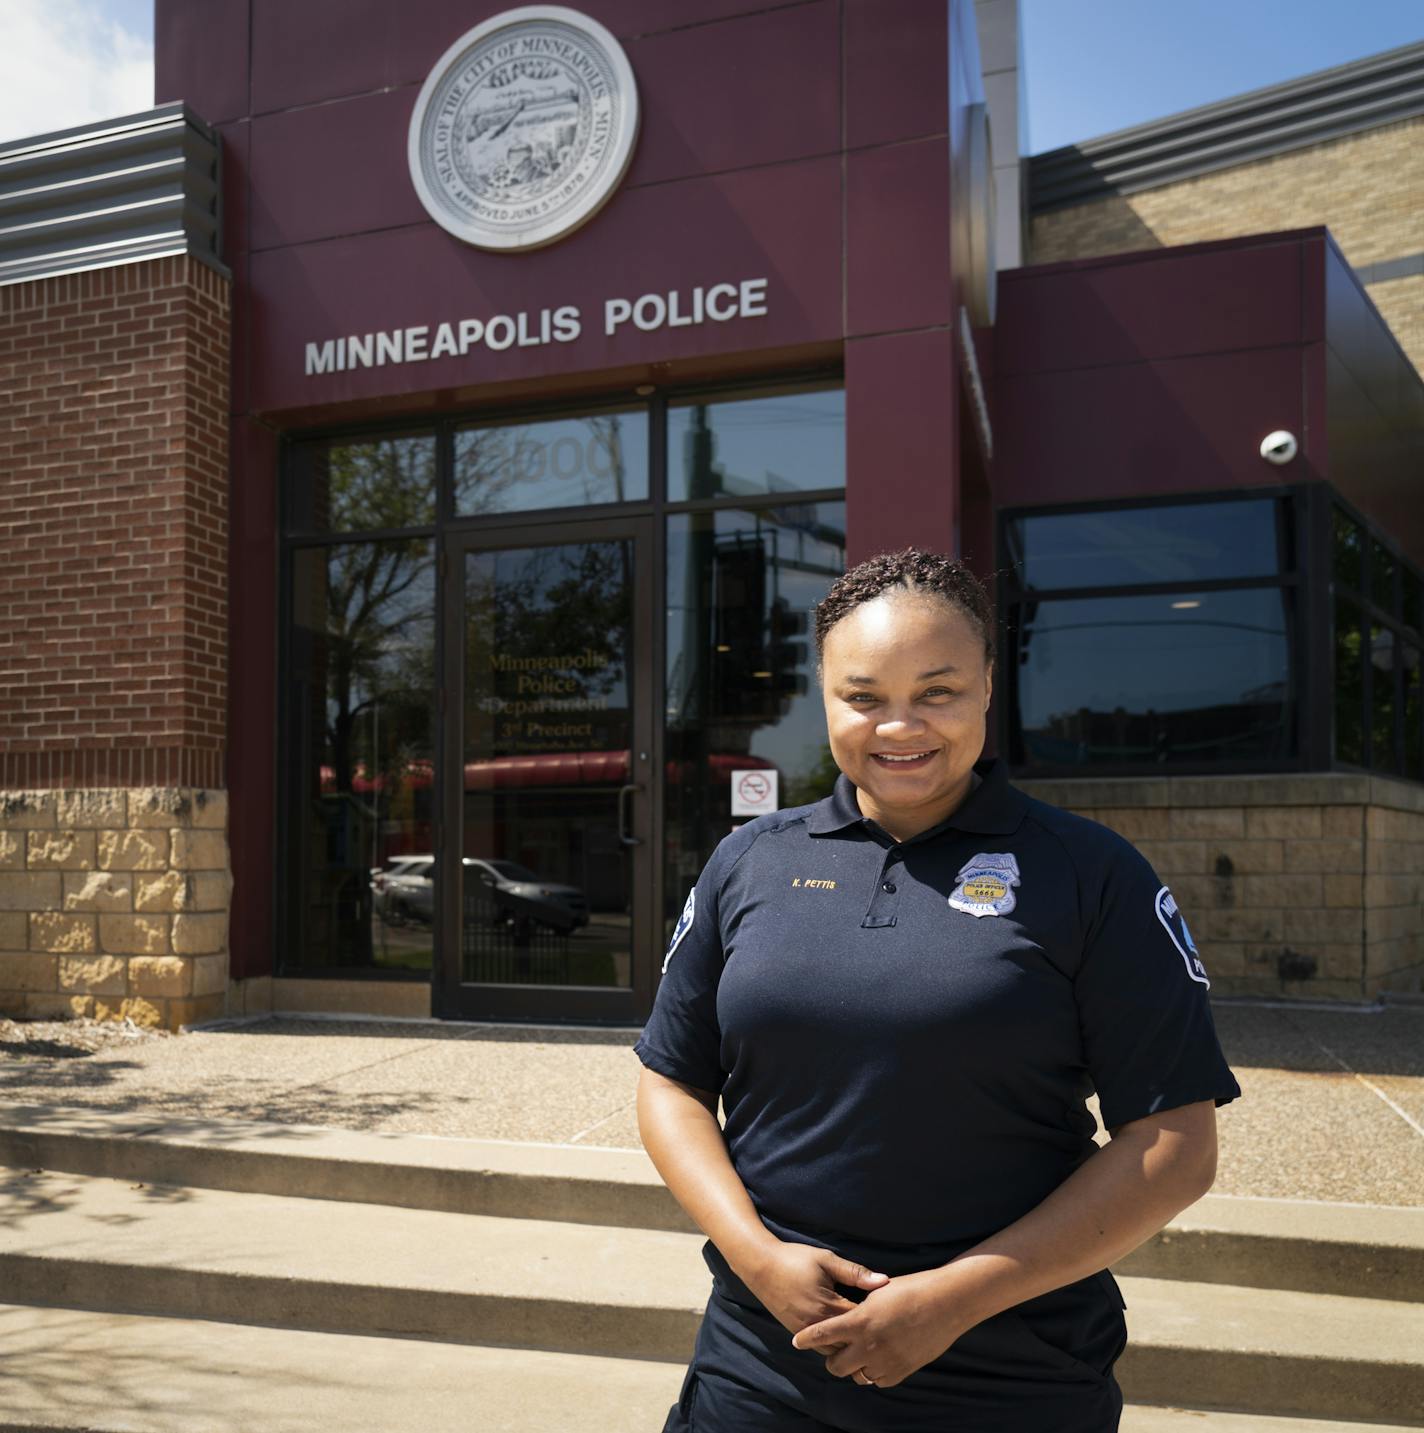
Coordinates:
559 462
1150 636
361 485
740 682
747 488
792 440
1377 641
359 758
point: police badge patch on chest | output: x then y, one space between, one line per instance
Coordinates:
985 885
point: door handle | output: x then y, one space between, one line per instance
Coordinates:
625 831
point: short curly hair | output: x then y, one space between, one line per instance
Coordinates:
929 572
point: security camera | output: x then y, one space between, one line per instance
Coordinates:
1279 447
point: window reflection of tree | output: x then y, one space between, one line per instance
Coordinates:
382 485
379 647
368 630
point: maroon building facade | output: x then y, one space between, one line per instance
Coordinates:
806 158
521 544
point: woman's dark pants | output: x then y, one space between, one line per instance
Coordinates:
1042 1367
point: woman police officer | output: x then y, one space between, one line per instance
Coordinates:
903 995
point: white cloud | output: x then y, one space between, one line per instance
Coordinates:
68 62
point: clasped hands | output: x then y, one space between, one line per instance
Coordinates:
901 1325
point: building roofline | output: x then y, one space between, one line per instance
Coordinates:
1313 232
112 192
1365 94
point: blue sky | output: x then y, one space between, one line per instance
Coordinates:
1090 66
1093 66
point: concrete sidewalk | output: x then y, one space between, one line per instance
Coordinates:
1332 1107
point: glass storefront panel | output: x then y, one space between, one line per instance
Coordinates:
1179 678
741 693
1123 547
360 750
1347 558
1413 713
548 730
560 462
1349 686
789 441
1383 649
1382 570
1413 605
360 485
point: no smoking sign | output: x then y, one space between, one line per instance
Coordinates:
753 792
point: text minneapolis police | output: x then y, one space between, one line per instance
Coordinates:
716 303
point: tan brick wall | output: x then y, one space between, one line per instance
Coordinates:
113 541
1297 886
1367 188
114 904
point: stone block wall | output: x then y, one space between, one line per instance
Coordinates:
1308 886
1364 187
114 904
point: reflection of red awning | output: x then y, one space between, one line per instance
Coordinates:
551 768
548 768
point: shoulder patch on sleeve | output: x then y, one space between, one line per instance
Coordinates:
1175 924
684 924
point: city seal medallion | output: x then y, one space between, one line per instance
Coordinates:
524 128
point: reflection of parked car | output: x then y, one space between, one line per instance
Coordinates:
407 893
404 895
397 865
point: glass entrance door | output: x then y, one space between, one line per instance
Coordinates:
545 862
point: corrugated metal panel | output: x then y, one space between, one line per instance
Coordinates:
125 189
1364 95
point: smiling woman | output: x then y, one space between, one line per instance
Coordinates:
907 674
903 995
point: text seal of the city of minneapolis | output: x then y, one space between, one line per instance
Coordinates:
524 128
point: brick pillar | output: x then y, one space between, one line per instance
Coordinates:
114 875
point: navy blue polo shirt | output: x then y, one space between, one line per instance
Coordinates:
904 1034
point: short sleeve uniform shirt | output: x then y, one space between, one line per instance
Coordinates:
904 1034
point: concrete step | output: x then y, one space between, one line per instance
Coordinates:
1138 1418
69 1370
1273 1351
103 1244
72 1370
502 1178
1359 1251
110 1246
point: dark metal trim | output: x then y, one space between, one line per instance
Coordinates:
1315 653
1145 589
1194 498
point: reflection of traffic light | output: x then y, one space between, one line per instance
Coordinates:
738 691
785 655
756 652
